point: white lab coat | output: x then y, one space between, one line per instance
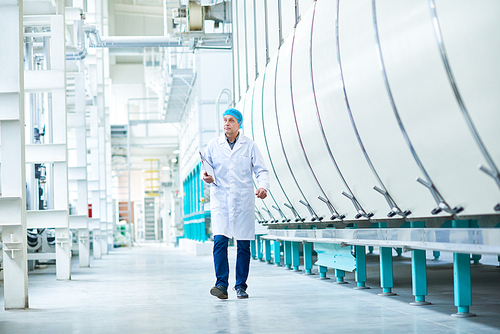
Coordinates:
232 201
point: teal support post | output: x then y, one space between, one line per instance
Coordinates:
476 258
308 263
370 249
340 274
360 273
386 274
462 285
253 252
461 278
295 256
498 260
287 254
277 252
386 277
267 246
419 271
322 272
399 251
259 248
436 255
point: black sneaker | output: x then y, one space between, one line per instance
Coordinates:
219 291
241 293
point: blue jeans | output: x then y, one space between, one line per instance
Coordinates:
222 264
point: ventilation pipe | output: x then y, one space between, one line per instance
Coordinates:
217 102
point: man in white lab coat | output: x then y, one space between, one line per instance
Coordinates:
233 158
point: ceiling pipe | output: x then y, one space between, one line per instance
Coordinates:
80 52
139 42
96 41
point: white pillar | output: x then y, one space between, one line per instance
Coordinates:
60 132
63 253
84 247
79 175
12 149
96 245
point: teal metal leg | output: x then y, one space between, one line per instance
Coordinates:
267 246
462 284
287 254
499 260
386 281
259 248
419 277
399 251
419 272
322 272
461 278
277 252
308 264
360 273
436 255
476 258
253 252
370 249
295 256
340 274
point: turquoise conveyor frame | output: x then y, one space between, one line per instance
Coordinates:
194 214
462 239
456 240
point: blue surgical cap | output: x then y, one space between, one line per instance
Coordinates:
235 113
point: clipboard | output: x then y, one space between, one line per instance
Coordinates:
208 167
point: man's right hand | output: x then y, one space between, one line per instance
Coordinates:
207 178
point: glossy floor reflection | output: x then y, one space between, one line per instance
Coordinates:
155 289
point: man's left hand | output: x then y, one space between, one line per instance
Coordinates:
261 193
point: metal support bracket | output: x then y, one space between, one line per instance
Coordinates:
284 218
260 217
311 211
442 205
273 220
62 240
495 174
295 213
395 210
83 238
359 209
12 246
335 214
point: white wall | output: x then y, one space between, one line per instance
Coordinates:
128 82
213 74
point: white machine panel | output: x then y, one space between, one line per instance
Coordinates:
390 92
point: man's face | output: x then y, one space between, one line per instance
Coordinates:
231 125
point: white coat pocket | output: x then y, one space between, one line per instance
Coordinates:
245 165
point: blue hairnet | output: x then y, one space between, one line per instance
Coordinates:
235 113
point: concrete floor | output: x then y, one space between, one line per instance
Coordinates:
155 289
